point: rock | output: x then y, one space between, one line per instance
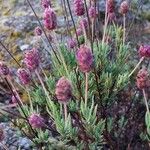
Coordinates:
11 139
22 23
24 47
24 143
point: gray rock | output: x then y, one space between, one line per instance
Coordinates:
11 139
24 47
22 23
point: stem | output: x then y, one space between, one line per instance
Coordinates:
61 55
124 28
145 100
65 111
66 16
106 22
86 88
85 35
9 85
43 31
17 95
73 22
43 86
46 46
30 101
78 84
92 30
10 54
86 8
4 146
46 77
141 60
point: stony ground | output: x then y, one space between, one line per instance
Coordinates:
16 31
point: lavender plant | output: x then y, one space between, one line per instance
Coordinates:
91 77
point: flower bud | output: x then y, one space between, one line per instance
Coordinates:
111 17
38 31
72 43
79 32
32 59
63 90
15 97
124 7
144 51
85 59
92 12
50 19
83 24
4 70
45 3
110 6
36 121
24 76
79 7
142 79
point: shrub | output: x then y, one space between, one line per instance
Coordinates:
88 100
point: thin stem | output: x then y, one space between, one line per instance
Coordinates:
9 85
15 90
86 8
43 31
65 111
43 86
86 88
46 77
10 54
85 35
66 16
106 22
73 22
92 30
141 60
45 46
4 146
30 100
61 55
78 84
124 28
145 100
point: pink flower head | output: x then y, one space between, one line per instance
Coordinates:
4 70
14 97
38 31
124 7
79 7
92 12
45 3
144 50
63 90
110 6
85 59
72 43
24 76
83 24
32 59
79 32
50 19
111 17
142 79
36 121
